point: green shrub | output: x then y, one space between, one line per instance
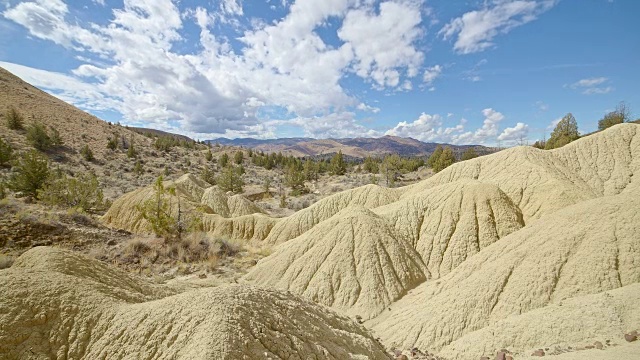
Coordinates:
83 192
620 115
610 119
3 190
32 171
15 121
446 159
208 155
86 153
131 151
56 140
112 143
6 153
38 137
137 168
469 154
238 157
164 143
223 160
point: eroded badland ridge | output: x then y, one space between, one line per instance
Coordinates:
518 253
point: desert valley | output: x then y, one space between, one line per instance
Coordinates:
335 179
522 252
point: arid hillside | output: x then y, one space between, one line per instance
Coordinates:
116 170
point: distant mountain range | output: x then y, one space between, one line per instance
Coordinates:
353 147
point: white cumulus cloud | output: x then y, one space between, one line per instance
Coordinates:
131 64
431 128
383 43
518 132
432 73
475 30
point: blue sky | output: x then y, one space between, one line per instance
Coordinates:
492 71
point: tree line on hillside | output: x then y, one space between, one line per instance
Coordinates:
295 172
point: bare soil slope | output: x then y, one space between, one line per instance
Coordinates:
353 261
487 302
58 304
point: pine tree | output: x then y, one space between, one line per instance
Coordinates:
310 170
230 179
223 160
208 155
207 175
15 121
31 174
389 168
131 152
266 186
446 159
157 211
435 156
38 137
137 168
370 165
112 142
56 140
294 178
86 153
338 166
238 157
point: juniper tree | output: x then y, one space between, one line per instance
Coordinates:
6 153
38 137
15 120
338 166
565 132
32 171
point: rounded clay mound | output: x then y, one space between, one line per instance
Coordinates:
47 312
354 262
540 182
195 200
588 248
368 196
449 223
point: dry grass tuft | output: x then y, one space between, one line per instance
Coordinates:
195 250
